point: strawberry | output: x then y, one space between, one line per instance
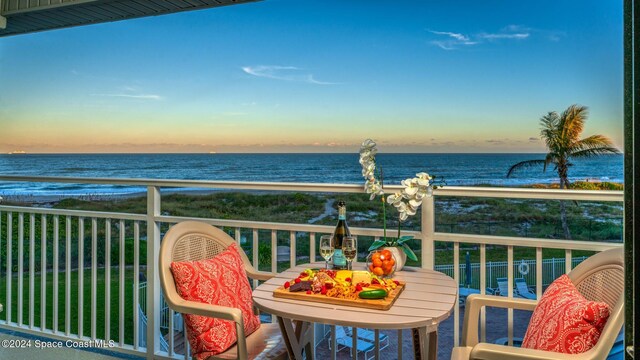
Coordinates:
347 279
375 281
286 285
397 282
358 287
297 280
323 291
309 292
328 285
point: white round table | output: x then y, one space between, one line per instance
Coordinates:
428 298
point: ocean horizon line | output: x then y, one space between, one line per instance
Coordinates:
282 153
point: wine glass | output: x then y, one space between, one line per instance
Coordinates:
350 250
326 249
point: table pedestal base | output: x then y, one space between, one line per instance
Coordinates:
298 336
425 344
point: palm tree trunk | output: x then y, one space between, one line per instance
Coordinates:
563 209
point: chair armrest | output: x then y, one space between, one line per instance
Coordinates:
502 352
258 275
208 310
215 311
472 313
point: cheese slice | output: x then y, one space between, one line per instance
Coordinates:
361 277
342 276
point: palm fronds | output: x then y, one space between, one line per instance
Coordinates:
593 142
525 164
572 123
587 153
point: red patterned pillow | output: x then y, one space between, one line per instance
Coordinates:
564 321
222 281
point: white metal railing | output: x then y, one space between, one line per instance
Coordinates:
66 227
551 268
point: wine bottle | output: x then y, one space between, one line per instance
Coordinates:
342 230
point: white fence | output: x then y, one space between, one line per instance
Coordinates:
551 270
82 251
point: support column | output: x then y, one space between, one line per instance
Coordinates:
153 277
428 227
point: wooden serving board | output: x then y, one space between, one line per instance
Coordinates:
379 304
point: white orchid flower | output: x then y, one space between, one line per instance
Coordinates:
374 188
423 181
368 144
410 210
368 170
415 204
395 199
407 201
410 191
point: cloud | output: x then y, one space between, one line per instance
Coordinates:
449 40
285 73
133 96
504 36
459 37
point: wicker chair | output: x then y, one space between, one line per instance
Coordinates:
599 278
192 241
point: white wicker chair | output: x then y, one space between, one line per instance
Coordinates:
599 278
192 241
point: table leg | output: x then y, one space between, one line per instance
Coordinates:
425 344
296 338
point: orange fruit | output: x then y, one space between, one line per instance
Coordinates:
371 267
392 262
387 269
386 253
386 263
378 271
377 263
375 256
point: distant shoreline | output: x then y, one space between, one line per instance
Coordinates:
51 200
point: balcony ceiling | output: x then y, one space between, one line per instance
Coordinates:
26 16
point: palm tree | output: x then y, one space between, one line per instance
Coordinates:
561 133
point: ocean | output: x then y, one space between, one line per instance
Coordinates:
456 169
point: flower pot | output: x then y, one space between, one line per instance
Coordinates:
399 256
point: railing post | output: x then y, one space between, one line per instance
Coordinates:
153 278
428 227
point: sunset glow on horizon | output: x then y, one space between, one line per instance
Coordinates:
297 76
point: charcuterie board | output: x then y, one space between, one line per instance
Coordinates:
379 304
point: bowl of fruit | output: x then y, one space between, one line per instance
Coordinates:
381 263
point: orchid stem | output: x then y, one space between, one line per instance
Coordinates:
399 222
384 207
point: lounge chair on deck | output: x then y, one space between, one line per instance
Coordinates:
365 342
523 289
503 286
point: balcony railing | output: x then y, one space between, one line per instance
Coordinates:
58 280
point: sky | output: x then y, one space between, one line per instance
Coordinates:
316 76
